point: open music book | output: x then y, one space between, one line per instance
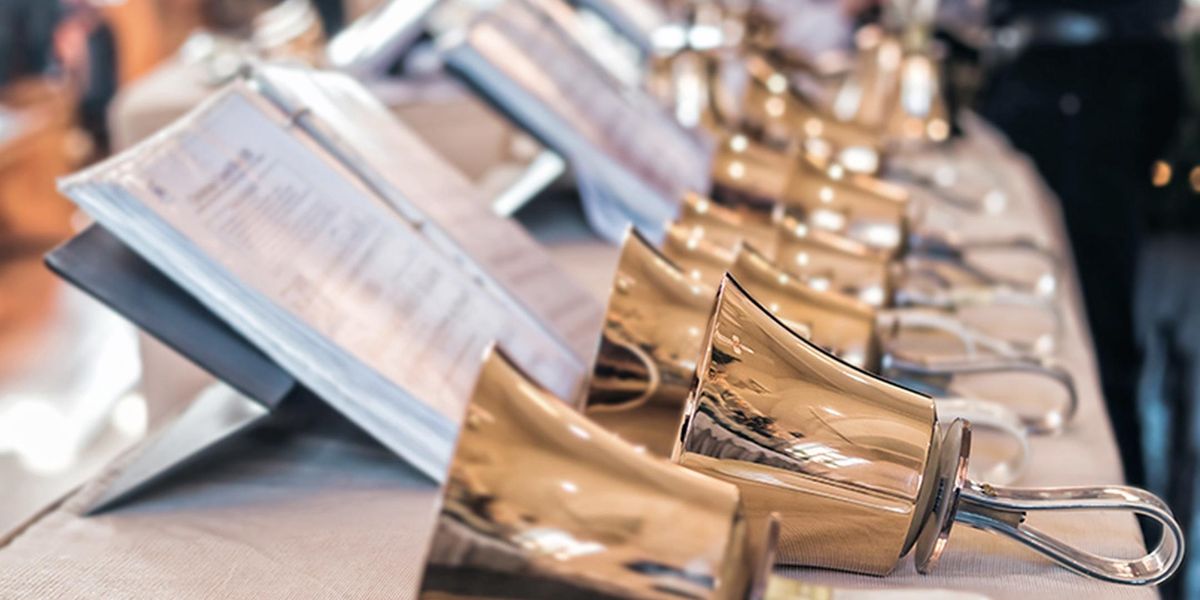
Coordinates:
335 241
633 161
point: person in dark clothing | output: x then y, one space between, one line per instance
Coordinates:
26 37
1092 92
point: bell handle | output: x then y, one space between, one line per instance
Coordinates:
1050 421
1004 511
972 340
954 253
984 414
943 195
951 248
954 299
1003 296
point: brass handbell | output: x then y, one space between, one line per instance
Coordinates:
542 503
774 113
653 333
657 312
857 333
869 211
707 238
857 467
833 262
745 172
865 96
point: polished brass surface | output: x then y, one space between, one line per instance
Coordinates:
879 219
781 117
745 172
728 226
770 186
867 95
653 333
840 454
870 212
836 263
543 503
837 323
858 332
919 114
826 260
857 467
692 250
659 304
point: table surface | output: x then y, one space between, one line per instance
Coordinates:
319 516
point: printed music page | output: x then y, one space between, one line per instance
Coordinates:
424 187
630 155
273 236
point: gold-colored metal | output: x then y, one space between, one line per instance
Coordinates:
870 212
868 93
937 275
919 114
836 263
776 114
859 332
840 454
857 467
728 226
653 333
745 172
824 259
691 249
542 503
837 323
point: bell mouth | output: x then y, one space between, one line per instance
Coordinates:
948 479
624 376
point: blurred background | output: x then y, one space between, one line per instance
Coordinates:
1100 93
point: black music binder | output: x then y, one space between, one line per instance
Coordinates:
98 263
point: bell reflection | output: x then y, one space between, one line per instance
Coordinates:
541 502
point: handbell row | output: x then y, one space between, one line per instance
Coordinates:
830 466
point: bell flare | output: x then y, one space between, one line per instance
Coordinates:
844 457
652 335
541 502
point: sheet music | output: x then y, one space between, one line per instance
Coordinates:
634 158
426 189
279 241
